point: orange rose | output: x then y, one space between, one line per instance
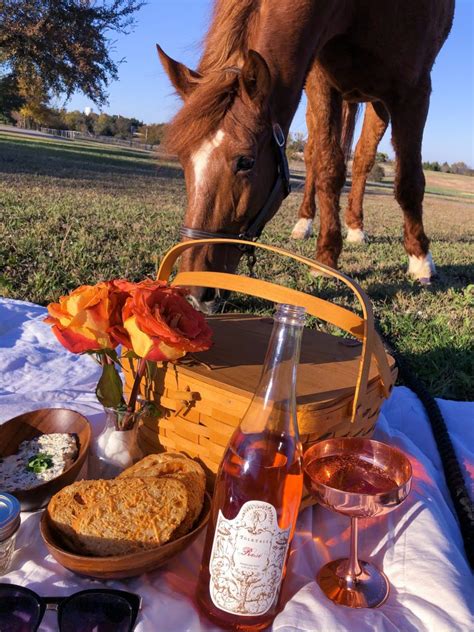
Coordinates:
162 325
119 291
83 321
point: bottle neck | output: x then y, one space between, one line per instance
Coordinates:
273 406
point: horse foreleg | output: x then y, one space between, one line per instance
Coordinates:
376 121
330 168
303 228
408 120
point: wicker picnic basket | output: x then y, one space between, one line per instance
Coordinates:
341 382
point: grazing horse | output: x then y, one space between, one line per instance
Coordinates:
375 123
257 55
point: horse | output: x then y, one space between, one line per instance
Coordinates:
376 120
239 104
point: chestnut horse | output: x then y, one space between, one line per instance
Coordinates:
375 123
257 55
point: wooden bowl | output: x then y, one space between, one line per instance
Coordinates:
33 424
119 566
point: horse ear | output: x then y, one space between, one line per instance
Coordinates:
255 78
183 78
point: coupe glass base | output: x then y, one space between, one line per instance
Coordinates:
370 589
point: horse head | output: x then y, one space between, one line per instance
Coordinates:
233 156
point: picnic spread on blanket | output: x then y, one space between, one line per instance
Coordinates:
177 472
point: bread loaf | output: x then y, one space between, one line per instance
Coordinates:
116 517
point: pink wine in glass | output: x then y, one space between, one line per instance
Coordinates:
351 473
360 478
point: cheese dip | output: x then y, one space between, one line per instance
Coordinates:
37 461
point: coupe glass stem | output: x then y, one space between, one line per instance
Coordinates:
353 566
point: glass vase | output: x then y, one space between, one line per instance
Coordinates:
116 447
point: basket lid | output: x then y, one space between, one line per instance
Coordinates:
327 373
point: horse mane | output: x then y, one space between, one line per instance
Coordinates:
226 39
225 47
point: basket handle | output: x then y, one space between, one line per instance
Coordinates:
361 328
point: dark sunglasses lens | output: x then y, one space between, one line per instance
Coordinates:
19 611
94 612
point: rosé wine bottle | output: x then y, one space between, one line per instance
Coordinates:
257 494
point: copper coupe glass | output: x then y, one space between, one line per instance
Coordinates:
359 478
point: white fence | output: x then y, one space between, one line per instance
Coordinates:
64 133
73 135
111 140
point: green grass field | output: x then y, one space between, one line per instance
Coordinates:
75 213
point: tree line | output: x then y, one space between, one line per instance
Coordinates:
36 114
459 168
297 142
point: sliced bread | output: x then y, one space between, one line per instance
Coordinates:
116 517
177 466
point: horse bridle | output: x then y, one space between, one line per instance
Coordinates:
254 230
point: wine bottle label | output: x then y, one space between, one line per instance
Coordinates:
247 560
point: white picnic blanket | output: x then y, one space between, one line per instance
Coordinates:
418 545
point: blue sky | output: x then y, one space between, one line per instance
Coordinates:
143 89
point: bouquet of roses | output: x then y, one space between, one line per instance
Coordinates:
152 321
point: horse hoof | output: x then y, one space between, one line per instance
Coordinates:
303 229
421 268
356 236
424 281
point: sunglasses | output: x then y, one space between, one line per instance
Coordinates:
95 610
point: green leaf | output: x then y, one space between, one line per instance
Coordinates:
131 355
39 463
113 355
109 389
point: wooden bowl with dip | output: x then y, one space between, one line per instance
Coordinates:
33 424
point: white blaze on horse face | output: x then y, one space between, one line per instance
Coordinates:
421 268
201 157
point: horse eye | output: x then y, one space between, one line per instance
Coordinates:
244 163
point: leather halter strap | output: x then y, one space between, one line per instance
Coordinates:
255 228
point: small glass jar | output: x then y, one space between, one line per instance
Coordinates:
9 525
